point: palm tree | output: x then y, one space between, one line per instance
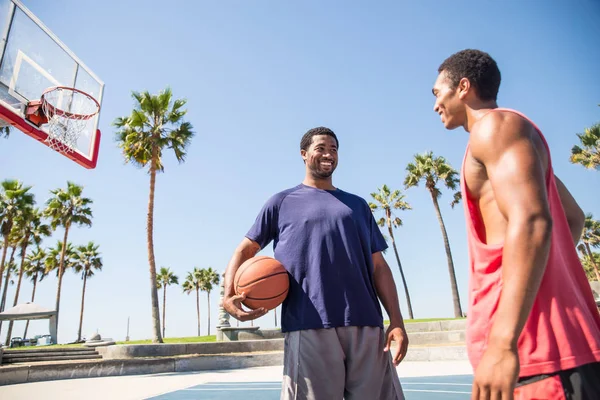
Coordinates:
192 283
588 262
31 229
14 197
432 169
165 278
35 270
208 278
9 274
387 201
591 238
155 125
588 154
9 278
10 271
60 259
13 239
67 208
4 132
52 261
86 260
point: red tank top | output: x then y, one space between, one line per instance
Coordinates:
563 329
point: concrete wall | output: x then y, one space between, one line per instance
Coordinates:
69 370
415 327
260 334
168 350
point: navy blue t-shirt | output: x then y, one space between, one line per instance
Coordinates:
325 240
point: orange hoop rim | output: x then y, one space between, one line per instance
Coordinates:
57 111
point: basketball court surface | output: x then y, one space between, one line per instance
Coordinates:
428 388
431 380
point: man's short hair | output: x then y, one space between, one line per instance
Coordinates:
321 130
478 67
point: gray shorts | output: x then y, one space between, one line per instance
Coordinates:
339 363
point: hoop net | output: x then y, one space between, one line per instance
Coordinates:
68 111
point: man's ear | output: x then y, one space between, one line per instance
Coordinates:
464 87
303 154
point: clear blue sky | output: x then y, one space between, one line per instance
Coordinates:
257 75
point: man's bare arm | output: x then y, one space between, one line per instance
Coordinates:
232 302
386 289
574 213
502 143
387 293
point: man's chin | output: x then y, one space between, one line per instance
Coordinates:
451 126
322 174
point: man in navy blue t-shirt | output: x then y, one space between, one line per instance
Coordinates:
330 244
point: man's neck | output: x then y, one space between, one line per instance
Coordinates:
324 184
476 112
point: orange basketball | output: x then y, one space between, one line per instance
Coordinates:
264 280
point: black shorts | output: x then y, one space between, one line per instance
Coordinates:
580 383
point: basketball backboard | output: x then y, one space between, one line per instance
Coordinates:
33 59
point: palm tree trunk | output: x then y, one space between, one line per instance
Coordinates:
208 298
455 297
150 227
4 251
82 303
198 309
32 298
275 311
408 302
21 270
61 271
3 297
164 309
3 301
592 260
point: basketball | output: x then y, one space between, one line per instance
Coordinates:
264 280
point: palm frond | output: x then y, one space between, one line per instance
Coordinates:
457 198
587 152
5 132
591 231
166 277
67 207
155 124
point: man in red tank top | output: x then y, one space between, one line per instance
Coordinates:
533 329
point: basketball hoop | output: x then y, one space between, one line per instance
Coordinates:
64 127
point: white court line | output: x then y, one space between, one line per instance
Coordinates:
242 383
436 383
232 388
279 384
272 388
434 391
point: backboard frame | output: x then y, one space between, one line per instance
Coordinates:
15 115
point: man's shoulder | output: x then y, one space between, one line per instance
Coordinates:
497 130
351 195
277 198
354 198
